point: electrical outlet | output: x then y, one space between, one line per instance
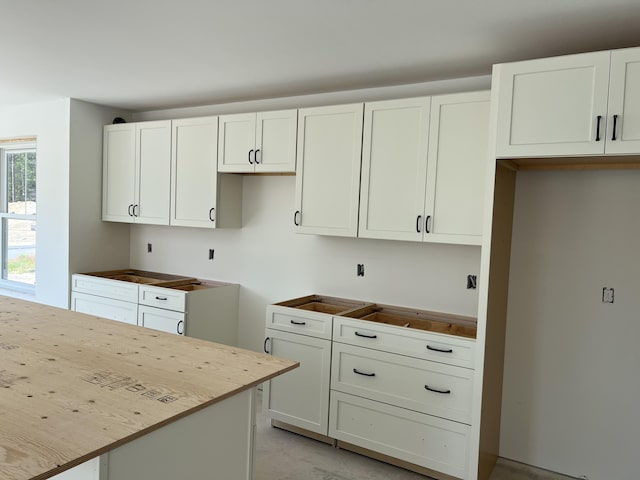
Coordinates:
472 282
360 270
607 295
211 252
149 248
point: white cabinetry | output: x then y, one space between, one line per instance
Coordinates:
328 170
423 168
200 197
258 142
575 105
196 308
136 172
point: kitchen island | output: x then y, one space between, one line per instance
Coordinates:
148 404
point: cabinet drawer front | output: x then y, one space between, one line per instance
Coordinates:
420 385
299 321
415 343
105 287
427 441
161 319
110 308
162 298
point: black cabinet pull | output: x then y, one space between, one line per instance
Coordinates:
250 152
296 218
264 346
427 224
255 156
429 347
160 298
598 121
136 213
293 322
418 223
129 210
355 370
180 323
615 124
435 390
358 334
211 212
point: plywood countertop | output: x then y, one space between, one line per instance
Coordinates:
74 386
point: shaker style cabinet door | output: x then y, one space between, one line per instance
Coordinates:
623 122
194 162
394 169
552 107
236 143
275 149
328 170
118 172
458 156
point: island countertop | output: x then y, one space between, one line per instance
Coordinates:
74 386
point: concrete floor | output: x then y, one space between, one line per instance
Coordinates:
282 455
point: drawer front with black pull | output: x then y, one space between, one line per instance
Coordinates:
313 324
419 385
163 298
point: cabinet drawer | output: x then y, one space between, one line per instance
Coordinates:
161 319
303 322
437 347
105 287
427 441
427 387
162 298
110 308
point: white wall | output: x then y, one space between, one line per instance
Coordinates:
272 263
49 122
571 383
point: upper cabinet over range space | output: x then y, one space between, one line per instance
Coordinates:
575 105
262 142
423 169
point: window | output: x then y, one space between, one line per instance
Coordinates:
18 215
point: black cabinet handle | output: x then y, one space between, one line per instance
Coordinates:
355 370
180 323
293 322
427 224
264 346
160 298
255 156
250 151
136 212
418 223
435 390
296 218
211 212
598 121
615 124
429 347
129 210
358 334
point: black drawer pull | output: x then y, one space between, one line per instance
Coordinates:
180 324
264 347
441 350
598 120
435 390
293 322
355 370
615 125
160 298
358 334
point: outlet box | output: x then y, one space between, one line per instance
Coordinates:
149 248
472 282
607 295
360 270
211 252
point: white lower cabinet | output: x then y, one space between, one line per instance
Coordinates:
105 307
300 398
159 319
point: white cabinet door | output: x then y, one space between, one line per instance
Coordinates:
624 102
458 155
104 307
160 319
301 397
194 162
236 141
394 169
552 106
328 170
275 149
118 172
153 159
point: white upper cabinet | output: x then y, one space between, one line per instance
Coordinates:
136 172
423 164
328 170
394 169
456 177
576 105
258 142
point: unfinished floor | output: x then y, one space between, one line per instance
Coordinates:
282 455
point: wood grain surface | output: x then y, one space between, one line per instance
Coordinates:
74 386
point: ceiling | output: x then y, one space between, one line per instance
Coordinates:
153 54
